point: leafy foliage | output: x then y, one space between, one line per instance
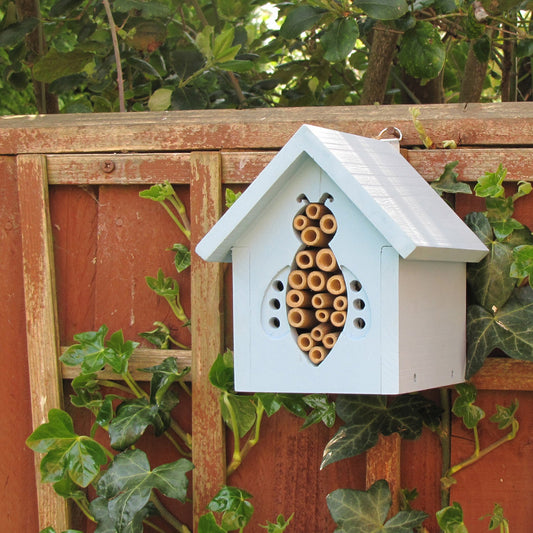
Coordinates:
450 519
356 511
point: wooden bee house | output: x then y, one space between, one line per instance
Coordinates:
349 272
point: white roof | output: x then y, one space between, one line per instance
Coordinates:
393 196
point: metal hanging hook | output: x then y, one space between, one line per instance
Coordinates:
391 130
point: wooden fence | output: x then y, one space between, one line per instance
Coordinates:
77 242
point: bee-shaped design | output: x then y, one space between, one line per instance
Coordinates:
316 300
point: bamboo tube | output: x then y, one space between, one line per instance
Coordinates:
318 332
298 280
306 258
325 260
300 222
322 315
316 280
316 211
312 236
340 303
328 224
330 339
317 354
301 318
336 284
305 342
338 318
322 300
298 298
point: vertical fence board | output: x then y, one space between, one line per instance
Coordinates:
207 337
41 315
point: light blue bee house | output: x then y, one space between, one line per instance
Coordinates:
349 272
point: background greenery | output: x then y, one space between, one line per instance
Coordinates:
59 56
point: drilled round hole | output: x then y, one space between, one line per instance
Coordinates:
359 304
275 303
274 322
359 323
355 285
278 285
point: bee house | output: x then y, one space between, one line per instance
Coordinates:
349 272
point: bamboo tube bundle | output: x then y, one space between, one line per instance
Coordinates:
336 285
330 339
315 237
340 303
317 281
301 222
306 259
328 224
322 300
338 318
298 298
305 342
317 354
301 318
316 211
298 280
323 315
318 332
325 260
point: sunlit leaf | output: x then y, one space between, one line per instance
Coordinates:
298 20
233 503
339 39
447 182
55 65
383 9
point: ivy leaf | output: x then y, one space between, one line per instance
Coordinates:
131 420
450 519
464 406
163 286
273 402
164 374
510 329
122 351
500 214
127 485
87 391
280 526
235 508
221 373
298 20
50 529
322 410
159 337
231 197
522 266
367 416
208 524
422 53
243 409
504 416
67 453
338 40
100 512
498 520
383 9
447 181
357 511
182 257
490 185
66 488
157 193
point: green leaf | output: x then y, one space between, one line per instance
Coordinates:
447 181
338 40
504 416
422 53
159 337
160 100
163 286
482 48
16 32
243 409
182 257
231 197
131 420
298 20
367 416
122 351
489 280
55 65
322 410
158 193
236 65
221 373
450 519
164 374
233 503
146 9
383 9
67 453
510 329
498 520
280 526
464 407
357 511
273 402
62 7
50 529
128 482
208 524
491 184
522 266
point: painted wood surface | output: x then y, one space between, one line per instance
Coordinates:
282 471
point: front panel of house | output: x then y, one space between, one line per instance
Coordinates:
307 312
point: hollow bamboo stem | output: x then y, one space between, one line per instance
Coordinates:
318 332
313 236
301 318
322 300
338 318
330 339
322 315
325 260
317 281
317 354
305 342
306 259
340 303
300 222
298 280
328 224
316 211
336 285
298 298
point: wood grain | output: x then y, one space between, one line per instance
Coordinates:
207 336
502 374
469 125
41 316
